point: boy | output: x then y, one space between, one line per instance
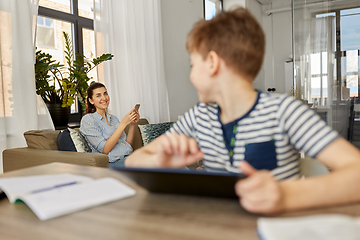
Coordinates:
235 128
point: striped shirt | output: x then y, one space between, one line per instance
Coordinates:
269 136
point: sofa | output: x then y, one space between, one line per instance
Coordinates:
42 148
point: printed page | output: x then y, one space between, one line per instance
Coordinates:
16 187
65 200
329 227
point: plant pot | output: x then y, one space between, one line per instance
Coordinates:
59 115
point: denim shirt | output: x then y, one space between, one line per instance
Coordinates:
96 132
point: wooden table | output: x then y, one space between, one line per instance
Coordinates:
145 216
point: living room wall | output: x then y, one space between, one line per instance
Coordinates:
178 16
278 30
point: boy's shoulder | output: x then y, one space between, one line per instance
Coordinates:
205 108
268 99
273 96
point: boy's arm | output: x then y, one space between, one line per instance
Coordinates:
261 193
166 151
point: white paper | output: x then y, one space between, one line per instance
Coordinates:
63 200
15 187
318 227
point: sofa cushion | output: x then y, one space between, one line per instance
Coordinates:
64 141
79 141
42 139
151 131
71 140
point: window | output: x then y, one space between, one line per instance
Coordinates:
74 17
350 49
348 52
211 8
45 32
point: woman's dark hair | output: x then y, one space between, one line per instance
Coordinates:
90 108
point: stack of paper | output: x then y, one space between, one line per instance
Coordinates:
318 227
50 196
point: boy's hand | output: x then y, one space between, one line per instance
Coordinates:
177 151
259 192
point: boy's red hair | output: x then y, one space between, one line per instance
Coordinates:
235 36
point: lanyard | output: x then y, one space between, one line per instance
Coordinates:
232 142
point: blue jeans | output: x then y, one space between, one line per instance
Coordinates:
118 163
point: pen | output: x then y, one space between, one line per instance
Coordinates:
53 187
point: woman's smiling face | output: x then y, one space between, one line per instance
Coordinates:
100 99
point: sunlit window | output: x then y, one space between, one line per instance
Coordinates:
86 8
211 8
56 16
58 5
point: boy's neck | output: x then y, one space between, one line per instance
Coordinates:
237 96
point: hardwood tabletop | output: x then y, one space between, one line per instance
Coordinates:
144 216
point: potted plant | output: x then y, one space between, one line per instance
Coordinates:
58 85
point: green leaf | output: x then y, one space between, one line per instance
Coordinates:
72 78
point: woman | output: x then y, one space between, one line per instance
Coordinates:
103 131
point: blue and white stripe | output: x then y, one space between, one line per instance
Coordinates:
287 121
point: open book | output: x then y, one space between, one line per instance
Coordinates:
50 196
317 227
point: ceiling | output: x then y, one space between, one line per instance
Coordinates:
346 3
264 2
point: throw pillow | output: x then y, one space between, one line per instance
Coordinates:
151 131
41 139
78 140
71 140
64 141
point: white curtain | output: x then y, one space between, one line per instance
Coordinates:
20 109
131 31
315 57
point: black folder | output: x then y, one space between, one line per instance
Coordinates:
183 181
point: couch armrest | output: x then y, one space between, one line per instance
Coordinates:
18 158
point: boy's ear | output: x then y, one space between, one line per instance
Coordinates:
213 62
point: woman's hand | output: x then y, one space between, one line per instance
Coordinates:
130 117
137 118
259 192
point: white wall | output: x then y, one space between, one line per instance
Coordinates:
278 31
256 9
228 4
178 17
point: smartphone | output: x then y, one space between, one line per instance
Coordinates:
137 106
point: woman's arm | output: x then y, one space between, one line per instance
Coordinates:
92 133
130 135
111 142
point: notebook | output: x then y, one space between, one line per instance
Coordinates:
50 196
316 227
183 181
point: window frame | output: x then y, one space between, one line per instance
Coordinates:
204 9
78 23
